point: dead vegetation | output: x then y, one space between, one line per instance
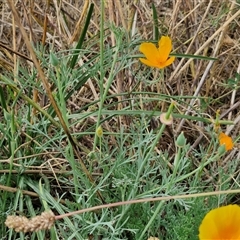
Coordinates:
196 27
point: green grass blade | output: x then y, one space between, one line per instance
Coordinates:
155 23
81 39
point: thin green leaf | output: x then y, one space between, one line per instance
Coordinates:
81 39
155 23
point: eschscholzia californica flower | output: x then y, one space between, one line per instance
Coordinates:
225 140
221 224
157 57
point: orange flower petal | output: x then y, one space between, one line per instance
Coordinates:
221 224
226 140
149 63
164 48
157 65
151 52
169 61
157 57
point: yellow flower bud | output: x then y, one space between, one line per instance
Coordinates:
99 132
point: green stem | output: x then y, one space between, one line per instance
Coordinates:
152 219
104 92
61 96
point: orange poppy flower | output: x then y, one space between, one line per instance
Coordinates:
221 224
226 140
157 57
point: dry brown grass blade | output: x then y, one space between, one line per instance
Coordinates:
111 18
207 70
180 69
151 199
131 16
196 34
6 65
79 23
45 23
15 52
49 94
121 10
35 91
14 49
25 192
